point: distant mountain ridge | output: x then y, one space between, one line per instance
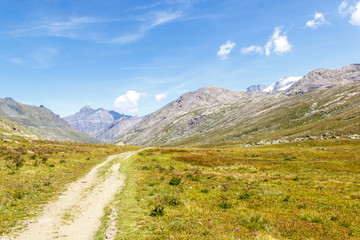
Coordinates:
292 106
36 122
102 124
280 85
323 102
326 78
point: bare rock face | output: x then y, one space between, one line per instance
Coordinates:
40 122
119 127
92 121
323 78
257 88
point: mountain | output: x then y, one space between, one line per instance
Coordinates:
119 127
280 85
36 122
93 121
257 88
189 114
324 78
329 103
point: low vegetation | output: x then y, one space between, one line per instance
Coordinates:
299 190
33 172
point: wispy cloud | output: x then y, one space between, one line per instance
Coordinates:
278 44
149 21
318 21
345 9
225 49
39 58
252 48
143 18
66 28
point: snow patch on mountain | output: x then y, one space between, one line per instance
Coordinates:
282 84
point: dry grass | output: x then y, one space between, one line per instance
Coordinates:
32 173
302 190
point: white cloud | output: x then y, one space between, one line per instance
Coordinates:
128 102
355 16
160 97
225 50
354 11
252 48
318 20
278 44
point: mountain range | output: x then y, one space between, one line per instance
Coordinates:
322 103
102 124
24 121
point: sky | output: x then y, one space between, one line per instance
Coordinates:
135 56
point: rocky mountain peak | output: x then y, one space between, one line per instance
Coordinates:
92 121
282 84
321 78
257 88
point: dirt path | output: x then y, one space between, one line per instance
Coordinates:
76 214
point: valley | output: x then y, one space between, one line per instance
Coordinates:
277 161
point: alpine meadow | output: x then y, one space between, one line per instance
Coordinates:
179 119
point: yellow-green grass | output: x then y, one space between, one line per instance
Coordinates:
34 172
300 190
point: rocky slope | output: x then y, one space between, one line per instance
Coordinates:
36 122
213 115
119 127
93 121
102 124
323 78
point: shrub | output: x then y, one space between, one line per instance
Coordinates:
173 201
193 178
157 211
225 205
175 181
256 222
244 196
286 199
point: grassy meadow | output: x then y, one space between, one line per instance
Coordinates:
299 190
34 172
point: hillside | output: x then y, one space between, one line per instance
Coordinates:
118 127
324 101
102 124
33 122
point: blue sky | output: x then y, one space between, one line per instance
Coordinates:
136 56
